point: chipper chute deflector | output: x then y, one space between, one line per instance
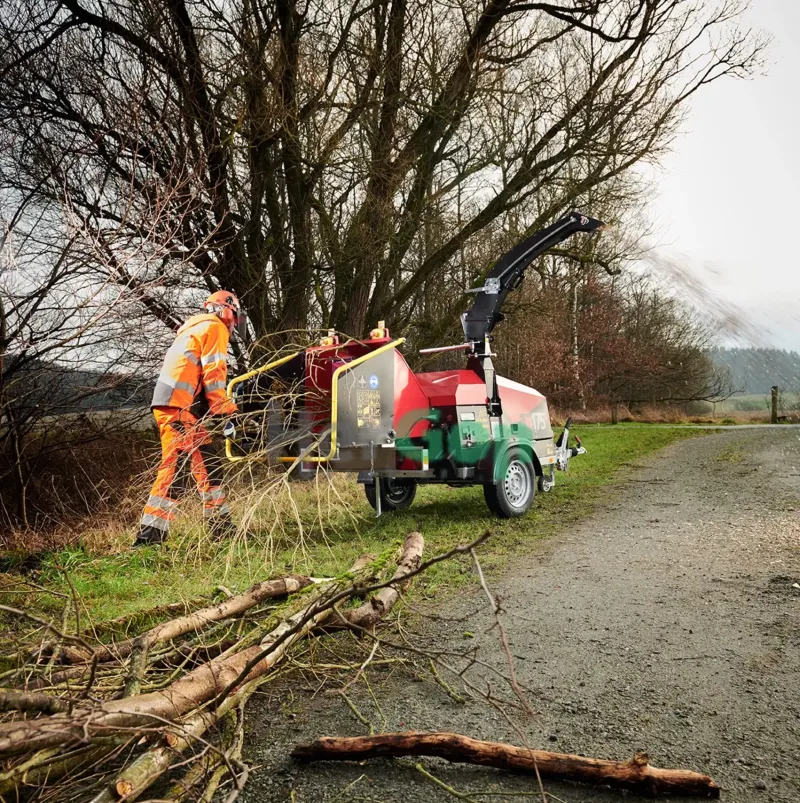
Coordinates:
356 406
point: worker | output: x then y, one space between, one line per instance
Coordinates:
192 385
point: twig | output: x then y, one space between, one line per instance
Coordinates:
315 610
446 686
503 637
384 723
356 713
75 599
49 626
361 669
442 785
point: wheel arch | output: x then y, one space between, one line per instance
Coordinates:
526 448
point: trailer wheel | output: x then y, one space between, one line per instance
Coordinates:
396 494
513 493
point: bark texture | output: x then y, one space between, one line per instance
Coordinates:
636 775
379 604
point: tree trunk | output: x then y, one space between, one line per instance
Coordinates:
636 774
574 351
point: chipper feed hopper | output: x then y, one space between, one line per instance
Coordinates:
356 406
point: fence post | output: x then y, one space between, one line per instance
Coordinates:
774 416
613 412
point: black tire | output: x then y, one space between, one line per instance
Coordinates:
491 500
543 488
513 494
396 494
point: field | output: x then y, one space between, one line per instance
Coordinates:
323 527
753 407
745 409
758 402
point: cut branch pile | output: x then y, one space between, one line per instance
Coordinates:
181 685
168 704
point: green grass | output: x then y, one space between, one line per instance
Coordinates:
756 402
332 532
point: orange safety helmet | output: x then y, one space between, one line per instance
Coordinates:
227 308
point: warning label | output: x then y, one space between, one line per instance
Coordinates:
368 408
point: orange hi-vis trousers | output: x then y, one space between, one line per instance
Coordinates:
183 435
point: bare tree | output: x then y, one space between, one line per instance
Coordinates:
298 152
66 348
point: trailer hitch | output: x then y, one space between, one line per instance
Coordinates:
563 450
562 456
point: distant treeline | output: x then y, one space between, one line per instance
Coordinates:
49 388
757 370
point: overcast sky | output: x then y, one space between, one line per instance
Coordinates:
729 198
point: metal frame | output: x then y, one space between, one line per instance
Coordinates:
334 401
229 393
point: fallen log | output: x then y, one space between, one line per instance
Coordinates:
30 702
147 768
635 775
130 619
167 705
379 604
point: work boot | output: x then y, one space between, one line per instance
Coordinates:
149 536
221 527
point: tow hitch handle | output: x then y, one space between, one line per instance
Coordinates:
576 450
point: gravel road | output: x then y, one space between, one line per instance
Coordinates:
668 621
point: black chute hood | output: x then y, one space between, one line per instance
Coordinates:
507 273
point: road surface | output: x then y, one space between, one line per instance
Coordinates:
668 621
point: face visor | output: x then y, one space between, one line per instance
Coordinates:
240 325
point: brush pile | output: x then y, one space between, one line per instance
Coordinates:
105 722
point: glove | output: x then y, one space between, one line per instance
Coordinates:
229 430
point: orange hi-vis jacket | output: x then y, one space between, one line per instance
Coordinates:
195 370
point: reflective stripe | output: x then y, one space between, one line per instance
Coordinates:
164 515
209 358
212 495
149 520
162 395
161 503
215 386
177 384
217 510
192 357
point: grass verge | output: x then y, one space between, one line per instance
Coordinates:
329 526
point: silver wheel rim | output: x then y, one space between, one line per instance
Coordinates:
517 484
397 493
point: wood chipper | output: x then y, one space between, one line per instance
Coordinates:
355 405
